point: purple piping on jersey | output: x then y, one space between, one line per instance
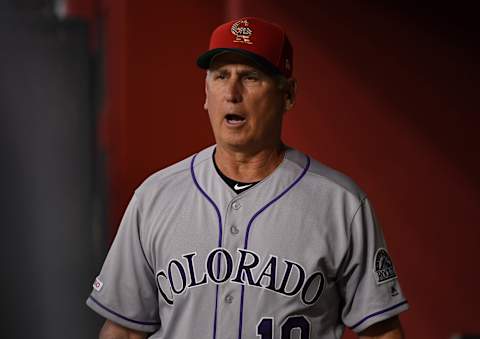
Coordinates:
219 239
250 225
378 313
143 251
121 316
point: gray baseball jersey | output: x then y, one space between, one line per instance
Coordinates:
299 255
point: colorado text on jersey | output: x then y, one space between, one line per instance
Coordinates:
174 281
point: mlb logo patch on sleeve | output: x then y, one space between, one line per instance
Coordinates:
383 267
97 285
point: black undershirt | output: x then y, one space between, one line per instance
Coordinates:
236 186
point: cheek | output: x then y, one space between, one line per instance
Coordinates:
212 99
214 113
210 105
268 111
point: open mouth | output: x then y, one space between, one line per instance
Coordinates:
234 119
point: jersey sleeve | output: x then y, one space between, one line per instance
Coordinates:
368 280
125 290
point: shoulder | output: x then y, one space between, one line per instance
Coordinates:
173 176
325 179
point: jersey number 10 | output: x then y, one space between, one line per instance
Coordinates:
265 327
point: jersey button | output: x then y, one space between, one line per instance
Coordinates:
234 229
229 299
236 205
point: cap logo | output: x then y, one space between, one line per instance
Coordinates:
242 32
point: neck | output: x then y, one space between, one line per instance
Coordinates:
249 166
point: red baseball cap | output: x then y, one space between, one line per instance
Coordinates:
265 43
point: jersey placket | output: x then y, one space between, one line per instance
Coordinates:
236 218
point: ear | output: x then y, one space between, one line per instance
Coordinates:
290 94
205 104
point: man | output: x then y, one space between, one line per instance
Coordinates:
248 238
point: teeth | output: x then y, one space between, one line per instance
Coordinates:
234 117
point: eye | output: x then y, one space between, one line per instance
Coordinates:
219 76
251 77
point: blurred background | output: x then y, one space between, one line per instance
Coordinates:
95 95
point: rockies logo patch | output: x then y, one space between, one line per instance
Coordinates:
383 267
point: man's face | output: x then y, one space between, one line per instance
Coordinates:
245 105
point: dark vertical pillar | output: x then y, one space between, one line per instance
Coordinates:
46 177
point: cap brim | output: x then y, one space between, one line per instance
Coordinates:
204 61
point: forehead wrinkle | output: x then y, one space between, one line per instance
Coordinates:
237 67
241 71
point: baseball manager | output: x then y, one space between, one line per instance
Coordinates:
248 238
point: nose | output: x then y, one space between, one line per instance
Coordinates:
233 90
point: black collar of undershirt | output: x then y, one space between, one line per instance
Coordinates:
236 186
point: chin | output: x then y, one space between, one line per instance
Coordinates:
238 143
235 139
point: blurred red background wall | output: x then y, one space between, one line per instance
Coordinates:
386 94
